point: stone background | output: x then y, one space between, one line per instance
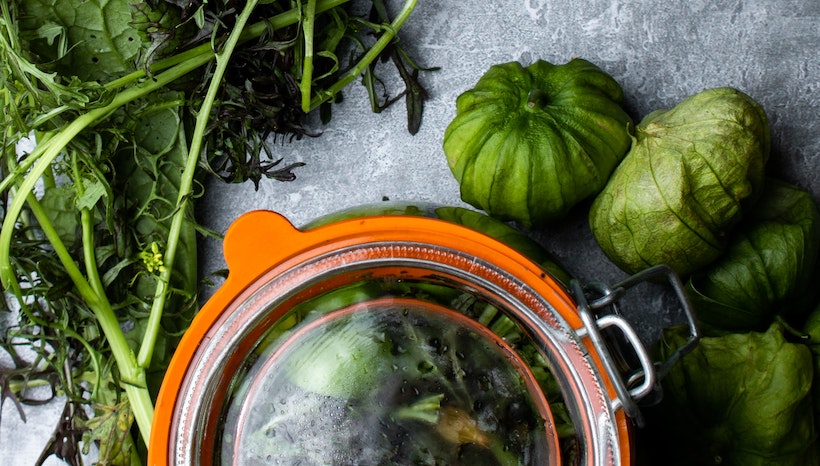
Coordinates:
659 50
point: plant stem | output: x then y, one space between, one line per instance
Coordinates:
46 155
287 18
199 55
308 24
502 455
133 376
186 186
374 51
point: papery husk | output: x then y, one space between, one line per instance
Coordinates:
685 183
743 399
769 267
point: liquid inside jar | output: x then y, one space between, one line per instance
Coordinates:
388 380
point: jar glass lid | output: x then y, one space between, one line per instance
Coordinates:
388 380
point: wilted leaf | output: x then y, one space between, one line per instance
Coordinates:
111 426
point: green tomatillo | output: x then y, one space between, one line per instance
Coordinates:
685 183
768 268
529 143
741 399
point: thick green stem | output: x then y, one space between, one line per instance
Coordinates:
74 273
87 226
48 228
149 338
143 408
92 293
186 187
132 375
308 26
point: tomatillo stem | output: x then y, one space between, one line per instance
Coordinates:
536 99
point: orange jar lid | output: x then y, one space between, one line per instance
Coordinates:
331 313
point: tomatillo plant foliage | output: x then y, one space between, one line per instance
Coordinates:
811 330
112 112
747 394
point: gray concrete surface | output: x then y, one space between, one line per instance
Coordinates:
659 50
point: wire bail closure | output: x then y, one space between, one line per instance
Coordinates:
630 384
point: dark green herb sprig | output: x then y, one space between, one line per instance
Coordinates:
277 79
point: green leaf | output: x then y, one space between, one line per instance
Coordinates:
147 178
50 32
102 43
94 191
95 40
59 203
157 132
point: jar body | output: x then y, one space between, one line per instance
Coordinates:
439 280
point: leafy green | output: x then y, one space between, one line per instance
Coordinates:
98 238
739 399
93 40
291 71
691 172
110 427
769 266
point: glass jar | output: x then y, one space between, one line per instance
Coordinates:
402 334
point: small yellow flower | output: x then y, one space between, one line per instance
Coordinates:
152 259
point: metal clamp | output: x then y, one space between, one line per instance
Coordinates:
641 382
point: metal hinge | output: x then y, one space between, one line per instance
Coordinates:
633 373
